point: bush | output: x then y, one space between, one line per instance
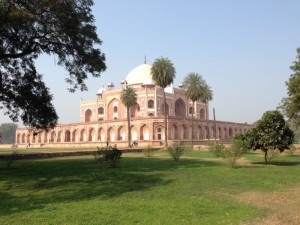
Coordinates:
216 149
231 153
108 154
176 151
149 151
272 154
234 152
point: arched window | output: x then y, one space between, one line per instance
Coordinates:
180 109
115 109
88 115
100 110
151 104
191 110
202 114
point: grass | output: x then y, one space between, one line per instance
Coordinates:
157 190
40 150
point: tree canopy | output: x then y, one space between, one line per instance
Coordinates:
29 28
193 86
271 132
291 104
7 133
163 72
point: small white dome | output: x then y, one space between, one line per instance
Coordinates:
140 75
100 91
110 84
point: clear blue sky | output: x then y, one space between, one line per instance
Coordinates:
243 49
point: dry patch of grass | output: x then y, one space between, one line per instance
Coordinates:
282 206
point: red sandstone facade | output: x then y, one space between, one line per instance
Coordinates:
104 119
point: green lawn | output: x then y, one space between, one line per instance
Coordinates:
40 150
157 190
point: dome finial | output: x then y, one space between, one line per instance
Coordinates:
145 61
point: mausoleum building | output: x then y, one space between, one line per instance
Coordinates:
104 119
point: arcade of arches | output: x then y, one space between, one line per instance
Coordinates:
143 133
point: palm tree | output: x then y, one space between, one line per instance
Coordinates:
193 88
163 74
128 98
206 97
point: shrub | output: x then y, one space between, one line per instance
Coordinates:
231 153
272 154
234 152
108 154
149 151
176 151
216 149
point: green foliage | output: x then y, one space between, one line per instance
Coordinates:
272 154
8 133
108 154
48 191
291 104
216 149
271 132
193 86
128 97
163 72
231 153
176 151
149 151
29 28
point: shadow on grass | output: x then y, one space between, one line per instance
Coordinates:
278 163
33 184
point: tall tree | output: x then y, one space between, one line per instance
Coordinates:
271 132
206 97
163 74
291 104
29 28
128 98
193 87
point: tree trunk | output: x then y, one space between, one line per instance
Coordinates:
128 124
193 124
165 117
205 110
266 156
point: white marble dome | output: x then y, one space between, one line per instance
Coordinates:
140 75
